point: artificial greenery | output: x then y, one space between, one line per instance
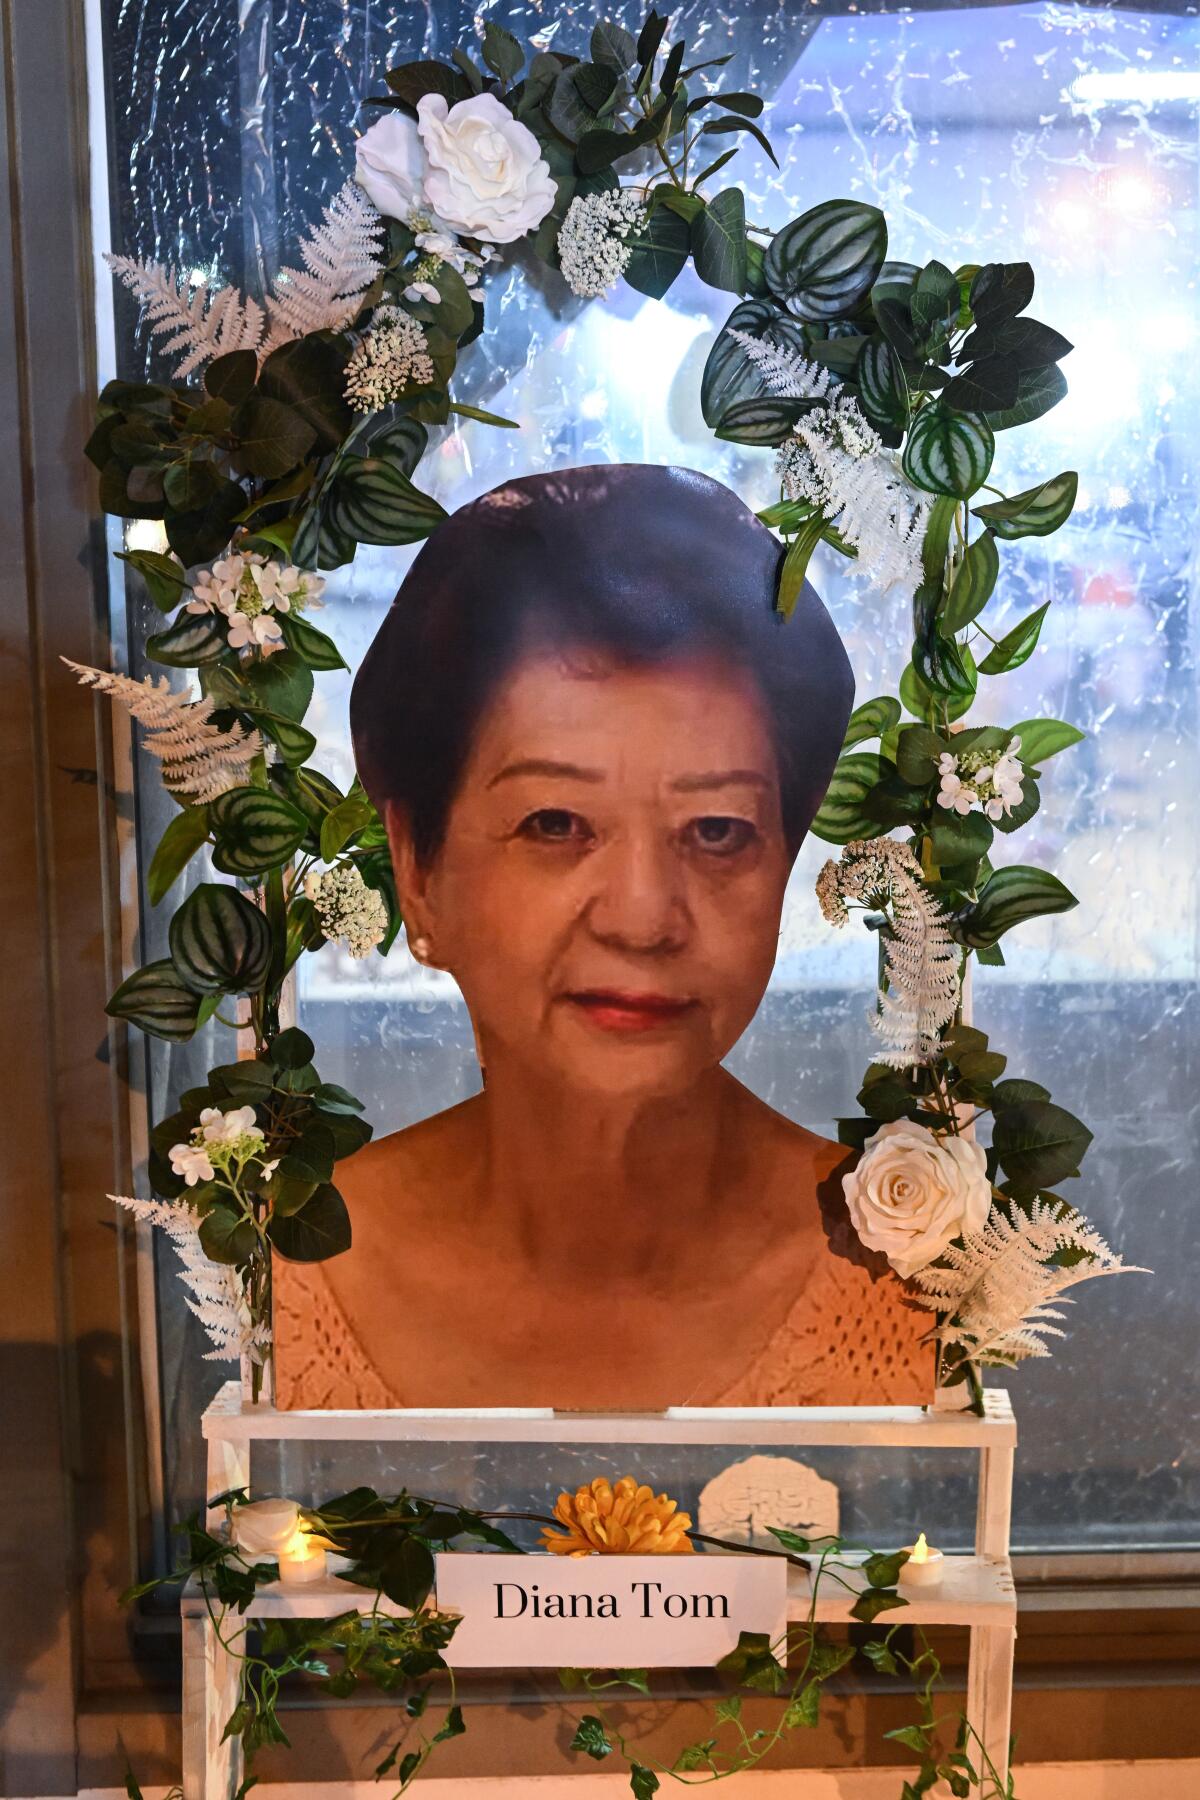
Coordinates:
390 1547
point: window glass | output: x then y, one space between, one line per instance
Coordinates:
1066 134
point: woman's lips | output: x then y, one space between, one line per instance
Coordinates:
613 1009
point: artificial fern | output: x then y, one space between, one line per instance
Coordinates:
341 260
995 1286
215 1289
787 373
202 326
199 761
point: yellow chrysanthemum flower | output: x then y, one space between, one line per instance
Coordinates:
625 1520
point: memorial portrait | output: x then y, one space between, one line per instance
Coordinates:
597 747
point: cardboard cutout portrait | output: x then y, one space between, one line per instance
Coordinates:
597 748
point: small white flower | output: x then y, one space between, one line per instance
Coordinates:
422 290
192 1162
392 358
593 246
253 634
269 1168
955 795
350 912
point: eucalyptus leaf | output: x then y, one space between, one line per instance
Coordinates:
718 241
1017 645
1038 1144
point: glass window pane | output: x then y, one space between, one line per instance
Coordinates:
1063 133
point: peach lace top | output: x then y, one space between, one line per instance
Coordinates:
848 1341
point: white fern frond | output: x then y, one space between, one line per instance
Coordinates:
996 1287
199 761
787 373
341 260
921 961
214 1293
189 319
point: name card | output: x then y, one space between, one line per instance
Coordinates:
607 1612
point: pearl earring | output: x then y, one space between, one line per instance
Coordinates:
420 948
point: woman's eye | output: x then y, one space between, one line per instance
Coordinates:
719 835
555 825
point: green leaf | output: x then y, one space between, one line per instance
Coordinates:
1016 1093
176 848
452 1726
271 437
591 1738
374 502
911 1736
660 250
882 390
1017 645
1008 898
320 1229
1026 342
483 417
960 837
795 565
826 261
343 824
192 483
227 1235
936 541
1000 291
643 1782
613 46
871 720
972 586
406 1573
841 817
946 668
1042 738
283 685
308 376
718 241
291 1049
1034 513
256 829
317 650
220 943
1037 391
158 1002
294 743
947 452
805 1709
872 1601
883 1571
197 537
1038 1144
917 753
163 576
231 377
729 375
934 299
766 420
193 639
791 1540
753 1663
987 386
501 51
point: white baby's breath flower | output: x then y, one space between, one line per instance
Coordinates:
593 246
392 358
350 912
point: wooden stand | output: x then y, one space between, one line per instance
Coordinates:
977 1590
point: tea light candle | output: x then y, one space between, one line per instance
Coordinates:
301 1561
924 1567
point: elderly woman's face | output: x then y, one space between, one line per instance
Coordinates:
609 890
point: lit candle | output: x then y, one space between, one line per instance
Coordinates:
924 1566
302 1560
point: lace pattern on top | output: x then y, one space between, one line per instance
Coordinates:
846 1342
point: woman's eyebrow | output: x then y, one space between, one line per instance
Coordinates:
537 765
721 778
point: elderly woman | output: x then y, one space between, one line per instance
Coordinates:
597 748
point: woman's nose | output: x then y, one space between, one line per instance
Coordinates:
639 901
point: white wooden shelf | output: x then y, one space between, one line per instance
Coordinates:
975 1590
894 1427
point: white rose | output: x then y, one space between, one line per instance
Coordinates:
911 1193
485 177
390 166
265 1527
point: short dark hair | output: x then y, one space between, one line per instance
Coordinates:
636 561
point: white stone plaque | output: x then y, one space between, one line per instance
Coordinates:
607 1612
